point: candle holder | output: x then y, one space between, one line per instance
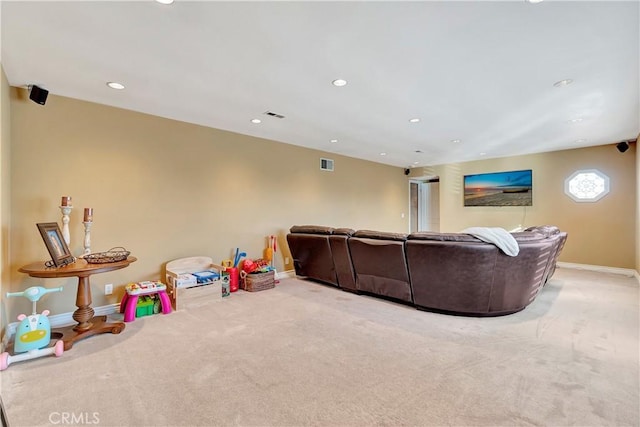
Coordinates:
87 237
66 210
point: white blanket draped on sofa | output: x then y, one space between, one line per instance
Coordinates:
496 235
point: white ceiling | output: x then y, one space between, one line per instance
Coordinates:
479 72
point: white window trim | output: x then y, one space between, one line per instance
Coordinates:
576 197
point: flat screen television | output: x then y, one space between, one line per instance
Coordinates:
513 188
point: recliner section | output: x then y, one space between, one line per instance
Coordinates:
311 251
380 266
559 238
442 274
445 272
338 241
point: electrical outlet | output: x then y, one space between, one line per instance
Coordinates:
108 289
286 260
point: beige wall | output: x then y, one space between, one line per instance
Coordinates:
601 233
166 189
5 193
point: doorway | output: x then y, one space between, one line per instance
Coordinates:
424 196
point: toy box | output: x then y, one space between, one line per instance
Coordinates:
184 280
184 294
198 295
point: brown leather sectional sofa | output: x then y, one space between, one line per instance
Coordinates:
446 272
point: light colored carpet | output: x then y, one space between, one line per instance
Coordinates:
309 354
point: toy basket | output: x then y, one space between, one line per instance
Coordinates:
112 255
254 282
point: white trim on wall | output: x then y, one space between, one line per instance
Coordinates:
66 319
629 272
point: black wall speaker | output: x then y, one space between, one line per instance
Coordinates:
407 171
38 95
622 146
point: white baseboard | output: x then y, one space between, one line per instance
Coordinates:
66 319
629 272
289 274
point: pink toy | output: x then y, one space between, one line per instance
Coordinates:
134 290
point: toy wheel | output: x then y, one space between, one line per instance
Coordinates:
59 348
4 361
116 330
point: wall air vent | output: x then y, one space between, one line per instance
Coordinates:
326 165
272 114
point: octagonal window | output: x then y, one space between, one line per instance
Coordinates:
587 185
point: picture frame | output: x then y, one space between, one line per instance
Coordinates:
510 188
53 240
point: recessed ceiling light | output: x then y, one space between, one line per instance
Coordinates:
415 163
581 140
115 85
414 120
165 1
334 140
256 121
576 120
534 1
455 141
383 154
564 82
483 154
339 82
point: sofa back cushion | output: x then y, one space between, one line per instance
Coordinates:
311 252
518 280
380 235
311 229
342 259
457 272
380 265
443 237
452 272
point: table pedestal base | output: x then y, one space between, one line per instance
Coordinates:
88 324
99 325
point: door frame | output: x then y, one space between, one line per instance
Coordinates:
422 200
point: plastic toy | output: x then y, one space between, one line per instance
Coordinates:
34 332
129 302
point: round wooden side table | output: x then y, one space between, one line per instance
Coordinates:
88 324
